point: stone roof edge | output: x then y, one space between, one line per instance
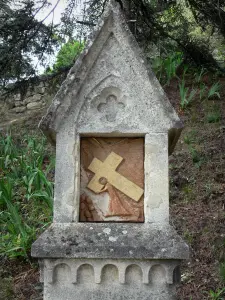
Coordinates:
47 122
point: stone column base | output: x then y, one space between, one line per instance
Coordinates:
112 261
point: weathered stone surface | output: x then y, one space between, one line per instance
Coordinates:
33 98
19 103
34 105
28 100
24 92
112 240
40 89
110 93
36 97
109 279
9 100
17 97
20 109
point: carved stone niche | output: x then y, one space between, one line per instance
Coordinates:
112 180
113 128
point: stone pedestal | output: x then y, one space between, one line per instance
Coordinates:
109 261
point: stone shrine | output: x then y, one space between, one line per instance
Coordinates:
113 128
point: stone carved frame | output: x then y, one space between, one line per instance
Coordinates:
156 199
103 197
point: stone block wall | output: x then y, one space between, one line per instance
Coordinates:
34 98
30 95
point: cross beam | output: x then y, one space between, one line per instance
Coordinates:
107 169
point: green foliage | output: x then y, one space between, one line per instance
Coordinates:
199 75
26 193
17 235
197 157
191 137
191 140
214 90
193 27
189 237
222 269
198 78
202 90
217 295
166 67
214 117
22 38
186 96
67 55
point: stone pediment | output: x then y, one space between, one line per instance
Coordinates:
110 89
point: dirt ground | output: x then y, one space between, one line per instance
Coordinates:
197 197
197 194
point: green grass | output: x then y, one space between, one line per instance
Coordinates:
191 137
214 117
26 192
165 67
217 295
222 268
214 91
186 94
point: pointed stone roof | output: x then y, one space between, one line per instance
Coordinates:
111 89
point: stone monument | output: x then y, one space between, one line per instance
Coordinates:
113 128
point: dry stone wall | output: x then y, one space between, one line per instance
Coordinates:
33 99
30 95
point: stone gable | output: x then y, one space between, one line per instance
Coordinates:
110 89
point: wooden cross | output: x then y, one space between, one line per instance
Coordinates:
107 169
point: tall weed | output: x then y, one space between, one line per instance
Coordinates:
166 67
217 295
186 96
26 193
199 75
214 91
